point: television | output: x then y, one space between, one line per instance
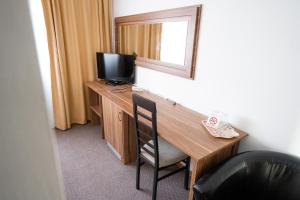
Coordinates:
116 69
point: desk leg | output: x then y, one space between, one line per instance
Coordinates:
197 167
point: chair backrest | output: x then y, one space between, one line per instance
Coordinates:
146 127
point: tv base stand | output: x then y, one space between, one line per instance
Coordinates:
115 83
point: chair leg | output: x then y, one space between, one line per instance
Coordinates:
138 167
154 191
187 173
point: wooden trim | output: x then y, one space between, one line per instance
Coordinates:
150 16
192 15
162 66
196 39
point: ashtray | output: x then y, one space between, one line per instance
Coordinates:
226 131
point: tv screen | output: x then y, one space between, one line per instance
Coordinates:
116 68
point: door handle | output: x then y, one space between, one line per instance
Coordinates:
119 116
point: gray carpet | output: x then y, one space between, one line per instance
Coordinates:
92 172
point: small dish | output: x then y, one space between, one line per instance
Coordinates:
227 132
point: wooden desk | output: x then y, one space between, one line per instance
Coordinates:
176 124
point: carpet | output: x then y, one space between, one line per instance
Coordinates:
92 172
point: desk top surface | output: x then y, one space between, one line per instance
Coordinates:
177 124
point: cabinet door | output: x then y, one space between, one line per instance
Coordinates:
114 120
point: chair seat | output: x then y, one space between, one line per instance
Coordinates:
168 154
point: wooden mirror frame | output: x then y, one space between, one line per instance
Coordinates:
192 15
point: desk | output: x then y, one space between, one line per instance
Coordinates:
176 124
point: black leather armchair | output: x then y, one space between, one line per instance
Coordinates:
255 175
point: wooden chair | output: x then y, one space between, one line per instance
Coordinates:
151 148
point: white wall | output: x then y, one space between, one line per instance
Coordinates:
28 168
248 66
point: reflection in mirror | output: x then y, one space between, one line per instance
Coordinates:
143 39
164 41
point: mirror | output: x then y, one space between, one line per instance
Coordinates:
155 41
165 40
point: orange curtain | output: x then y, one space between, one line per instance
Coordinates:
76 31
143 39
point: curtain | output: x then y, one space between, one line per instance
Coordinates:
76 31
143 39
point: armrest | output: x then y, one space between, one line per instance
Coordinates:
207 185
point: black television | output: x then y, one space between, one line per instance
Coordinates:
116 69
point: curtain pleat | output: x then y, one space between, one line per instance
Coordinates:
76 31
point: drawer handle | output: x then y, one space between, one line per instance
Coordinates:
119 116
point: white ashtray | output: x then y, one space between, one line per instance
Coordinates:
226 131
